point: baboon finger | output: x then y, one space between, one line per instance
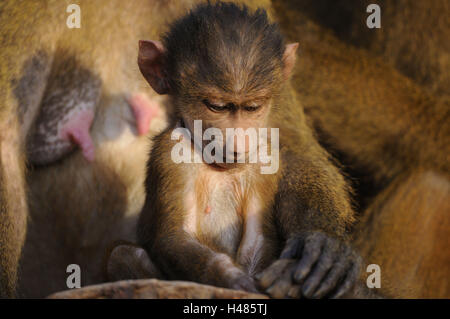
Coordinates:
311 251
295 292
268 276
348 282
281 286
322 267
331 280
293 248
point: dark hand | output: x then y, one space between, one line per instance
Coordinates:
128 261
312 265
242 282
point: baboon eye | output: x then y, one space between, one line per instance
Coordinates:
215 107
252 108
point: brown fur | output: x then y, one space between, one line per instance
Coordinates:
413 34
413 210
75 207
12 205
385 130
415 40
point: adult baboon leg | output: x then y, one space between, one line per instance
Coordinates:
406 231
13 209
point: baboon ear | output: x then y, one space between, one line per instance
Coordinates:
151 64
289 58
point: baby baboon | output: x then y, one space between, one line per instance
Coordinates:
219 222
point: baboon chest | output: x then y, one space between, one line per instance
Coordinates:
221 214
228 216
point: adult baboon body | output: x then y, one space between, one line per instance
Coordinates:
392 137
64 88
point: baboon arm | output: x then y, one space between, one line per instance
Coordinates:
184 257
312 196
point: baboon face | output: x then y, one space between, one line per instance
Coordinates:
228 77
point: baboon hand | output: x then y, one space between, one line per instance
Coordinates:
312 265
243 282
130 262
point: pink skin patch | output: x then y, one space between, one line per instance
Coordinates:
208 209
77 131
144 111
